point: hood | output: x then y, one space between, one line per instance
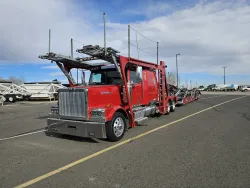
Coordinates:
99 96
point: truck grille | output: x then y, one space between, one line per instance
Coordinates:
73 102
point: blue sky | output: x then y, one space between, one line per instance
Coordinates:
207 34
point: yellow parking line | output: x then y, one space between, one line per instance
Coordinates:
35 180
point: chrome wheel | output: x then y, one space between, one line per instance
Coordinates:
172 108
169 106
11 99
118 126
173 105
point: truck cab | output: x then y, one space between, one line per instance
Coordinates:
119 95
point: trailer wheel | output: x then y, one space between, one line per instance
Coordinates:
115 129
11 99
168 108
26 98
172 108
4 98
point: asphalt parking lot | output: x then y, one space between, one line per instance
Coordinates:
202 144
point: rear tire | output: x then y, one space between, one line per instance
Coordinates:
168 108
4 98
115 129
172 108
11 99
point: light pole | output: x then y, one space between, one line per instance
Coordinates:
224 75
177 69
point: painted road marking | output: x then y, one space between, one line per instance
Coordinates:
37 179
8 138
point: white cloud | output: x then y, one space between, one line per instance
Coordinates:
56 74
26 24
51 67
208 36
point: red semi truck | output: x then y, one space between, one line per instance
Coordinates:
121 93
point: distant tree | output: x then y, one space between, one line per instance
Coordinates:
16 80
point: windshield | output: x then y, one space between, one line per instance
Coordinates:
105 77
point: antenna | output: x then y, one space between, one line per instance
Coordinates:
104 21
128 41
49 39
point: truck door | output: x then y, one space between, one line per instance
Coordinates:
136 84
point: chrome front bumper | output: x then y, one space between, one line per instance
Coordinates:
76 128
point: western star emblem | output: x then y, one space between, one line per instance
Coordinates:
105 92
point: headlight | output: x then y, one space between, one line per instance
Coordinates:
98 112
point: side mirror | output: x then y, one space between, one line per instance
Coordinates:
83 78
139 73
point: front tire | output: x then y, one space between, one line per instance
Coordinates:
115 128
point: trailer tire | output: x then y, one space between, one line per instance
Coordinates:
172 108
11 99
48 133
115 128
4 98
26 98
168 108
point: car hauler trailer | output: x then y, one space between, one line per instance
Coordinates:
11 92
43 90
122 92
185 96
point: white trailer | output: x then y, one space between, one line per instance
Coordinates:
231 87
12 92
219 87
43 90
